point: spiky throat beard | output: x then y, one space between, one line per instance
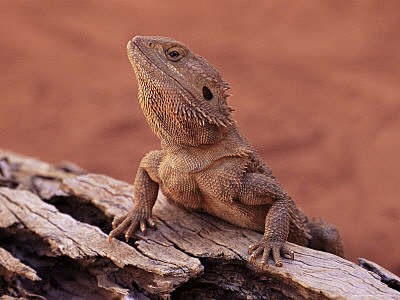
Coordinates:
171 118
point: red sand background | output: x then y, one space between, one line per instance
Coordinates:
316 87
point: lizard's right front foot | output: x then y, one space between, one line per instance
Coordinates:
128 223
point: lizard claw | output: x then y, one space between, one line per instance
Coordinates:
130 222
266 246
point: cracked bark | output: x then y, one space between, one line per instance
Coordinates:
54 223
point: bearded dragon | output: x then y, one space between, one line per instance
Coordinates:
205 164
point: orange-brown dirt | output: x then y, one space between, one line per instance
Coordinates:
316 89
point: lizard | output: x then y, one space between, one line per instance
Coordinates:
205 163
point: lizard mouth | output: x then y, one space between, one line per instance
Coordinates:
132 46
135 50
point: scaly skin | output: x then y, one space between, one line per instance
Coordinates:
205 163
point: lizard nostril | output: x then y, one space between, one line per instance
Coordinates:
150 44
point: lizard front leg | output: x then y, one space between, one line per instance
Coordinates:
276 233
259 189
145 195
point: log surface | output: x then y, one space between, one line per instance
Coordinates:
54 225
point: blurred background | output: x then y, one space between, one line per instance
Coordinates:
316 89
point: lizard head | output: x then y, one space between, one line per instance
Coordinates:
182 95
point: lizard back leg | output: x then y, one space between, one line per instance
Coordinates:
316 234
325 237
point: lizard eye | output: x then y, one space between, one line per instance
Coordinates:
175 53
207 93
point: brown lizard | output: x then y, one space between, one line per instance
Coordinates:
205 163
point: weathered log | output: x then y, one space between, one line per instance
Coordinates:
54 244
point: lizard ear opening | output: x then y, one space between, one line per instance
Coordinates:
207 93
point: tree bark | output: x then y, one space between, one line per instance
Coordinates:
54 225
